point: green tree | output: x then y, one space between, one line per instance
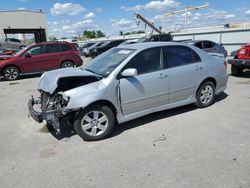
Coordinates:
121 33
93 34
99 34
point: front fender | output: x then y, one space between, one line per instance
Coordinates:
83 96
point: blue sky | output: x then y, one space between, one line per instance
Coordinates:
71 17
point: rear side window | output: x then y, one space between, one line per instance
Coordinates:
207 44
166 38
146 61
52 48
179 55
65 47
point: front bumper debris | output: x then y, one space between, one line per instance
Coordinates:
49 116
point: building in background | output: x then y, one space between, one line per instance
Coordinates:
24 22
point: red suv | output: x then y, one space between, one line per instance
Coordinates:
39 58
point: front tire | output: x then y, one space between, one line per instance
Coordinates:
11 73
205 95
236 71
94 123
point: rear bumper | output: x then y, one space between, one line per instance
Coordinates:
239 63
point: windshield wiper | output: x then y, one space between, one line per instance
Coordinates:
94 72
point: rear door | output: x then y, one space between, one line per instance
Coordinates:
150 87
53 56
185 72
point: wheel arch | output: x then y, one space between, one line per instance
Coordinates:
67 60
10 65
106 103
211 79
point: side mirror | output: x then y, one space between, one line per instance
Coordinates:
130 72
27 55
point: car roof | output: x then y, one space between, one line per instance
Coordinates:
145 45
194 41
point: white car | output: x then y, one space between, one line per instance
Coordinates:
128 82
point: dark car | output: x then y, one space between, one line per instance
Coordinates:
83 49
104 47
39 58
165 37
210 47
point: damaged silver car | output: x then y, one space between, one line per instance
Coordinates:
125 83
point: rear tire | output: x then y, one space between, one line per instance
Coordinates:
11 73
67 64
236 71
205 95
94 122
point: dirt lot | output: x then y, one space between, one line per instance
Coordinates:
183 147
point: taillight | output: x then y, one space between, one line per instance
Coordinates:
225 63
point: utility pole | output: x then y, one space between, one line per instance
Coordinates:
185 11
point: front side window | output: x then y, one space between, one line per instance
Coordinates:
179 55
146 61
52 48
36 50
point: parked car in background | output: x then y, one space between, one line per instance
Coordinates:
40 57
128 82
104 47
85 47
165 37
210 47
12 43
128 42
95 45
241 60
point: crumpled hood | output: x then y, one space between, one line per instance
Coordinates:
48 81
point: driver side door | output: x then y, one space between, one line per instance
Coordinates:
149 88
34 62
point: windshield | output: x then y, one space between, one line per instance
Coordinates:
105 63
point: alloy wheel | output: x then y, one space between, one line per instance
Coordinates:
94 123
11 73
206 94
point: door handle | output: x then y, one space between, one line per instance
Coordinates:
198 67
162 76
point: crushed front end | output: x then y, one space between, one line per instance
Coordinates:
49 108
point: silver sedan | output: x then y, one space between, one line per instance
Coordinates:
128 82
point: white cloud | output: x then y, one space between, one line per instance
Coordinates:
134 8
122 23
23 0
158 17
99 9
247 12
154 6
67 9
162 5
89 15
229 16
21 8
